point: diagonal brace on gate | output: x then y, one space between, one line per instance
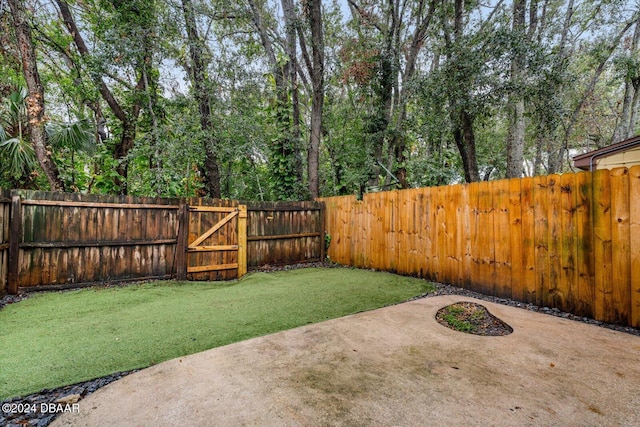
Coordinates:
213 229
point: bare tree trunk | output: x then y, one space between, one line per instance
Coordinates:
515 137
291 71
35 96
465 140
461 119
314 16
201 89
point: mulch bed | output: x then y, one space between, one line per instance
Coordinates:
472 318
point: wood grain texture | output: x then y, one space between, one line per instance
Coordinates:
568 241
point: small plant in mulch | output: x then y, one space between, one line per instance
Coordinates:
472 318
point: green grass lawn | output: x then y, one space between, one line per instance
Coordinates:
54 339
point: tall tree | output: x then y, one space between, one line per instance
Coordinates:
202 91
463 68
313 12
35 96
515 109
127 115
285 160
402 29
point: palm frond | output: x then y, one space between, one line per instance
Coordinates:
76 136
19 156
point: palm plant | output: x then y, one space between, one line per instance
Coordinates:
16 153
68 138
17 157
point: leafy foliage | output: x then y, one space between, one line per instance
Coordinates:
399 79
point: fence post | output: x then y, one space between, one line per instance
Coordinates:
242 241
15 236
181 244
323 245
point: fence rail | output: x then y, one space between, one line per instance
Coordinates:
569 241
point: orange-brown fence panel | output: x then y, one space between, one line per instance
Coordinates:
569 241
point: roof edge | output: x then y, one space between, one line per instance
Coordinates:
585 161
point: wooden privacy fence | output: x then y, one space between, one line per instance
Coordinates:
5 206
568 241
58 240
67 239
284 233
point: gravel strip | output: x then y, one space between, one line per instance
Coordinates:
14 418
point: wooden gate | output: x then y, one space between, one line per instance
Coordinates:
216 242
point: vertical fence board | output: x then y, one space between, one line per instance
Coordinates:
620 247
5 222
567 285
458 228
527 186
428 230
405 240
464 229
15 234
541 238
502 240
474 235
516 239
487 238
398 231
551 295
585 252
464 238
453 245
390 230
634 244
602 244
439 265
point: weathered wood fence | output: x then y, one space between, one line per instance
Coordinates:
284 233
569 241
5 206
58 240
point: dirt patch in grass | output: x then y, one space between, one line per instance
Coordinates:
472 318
